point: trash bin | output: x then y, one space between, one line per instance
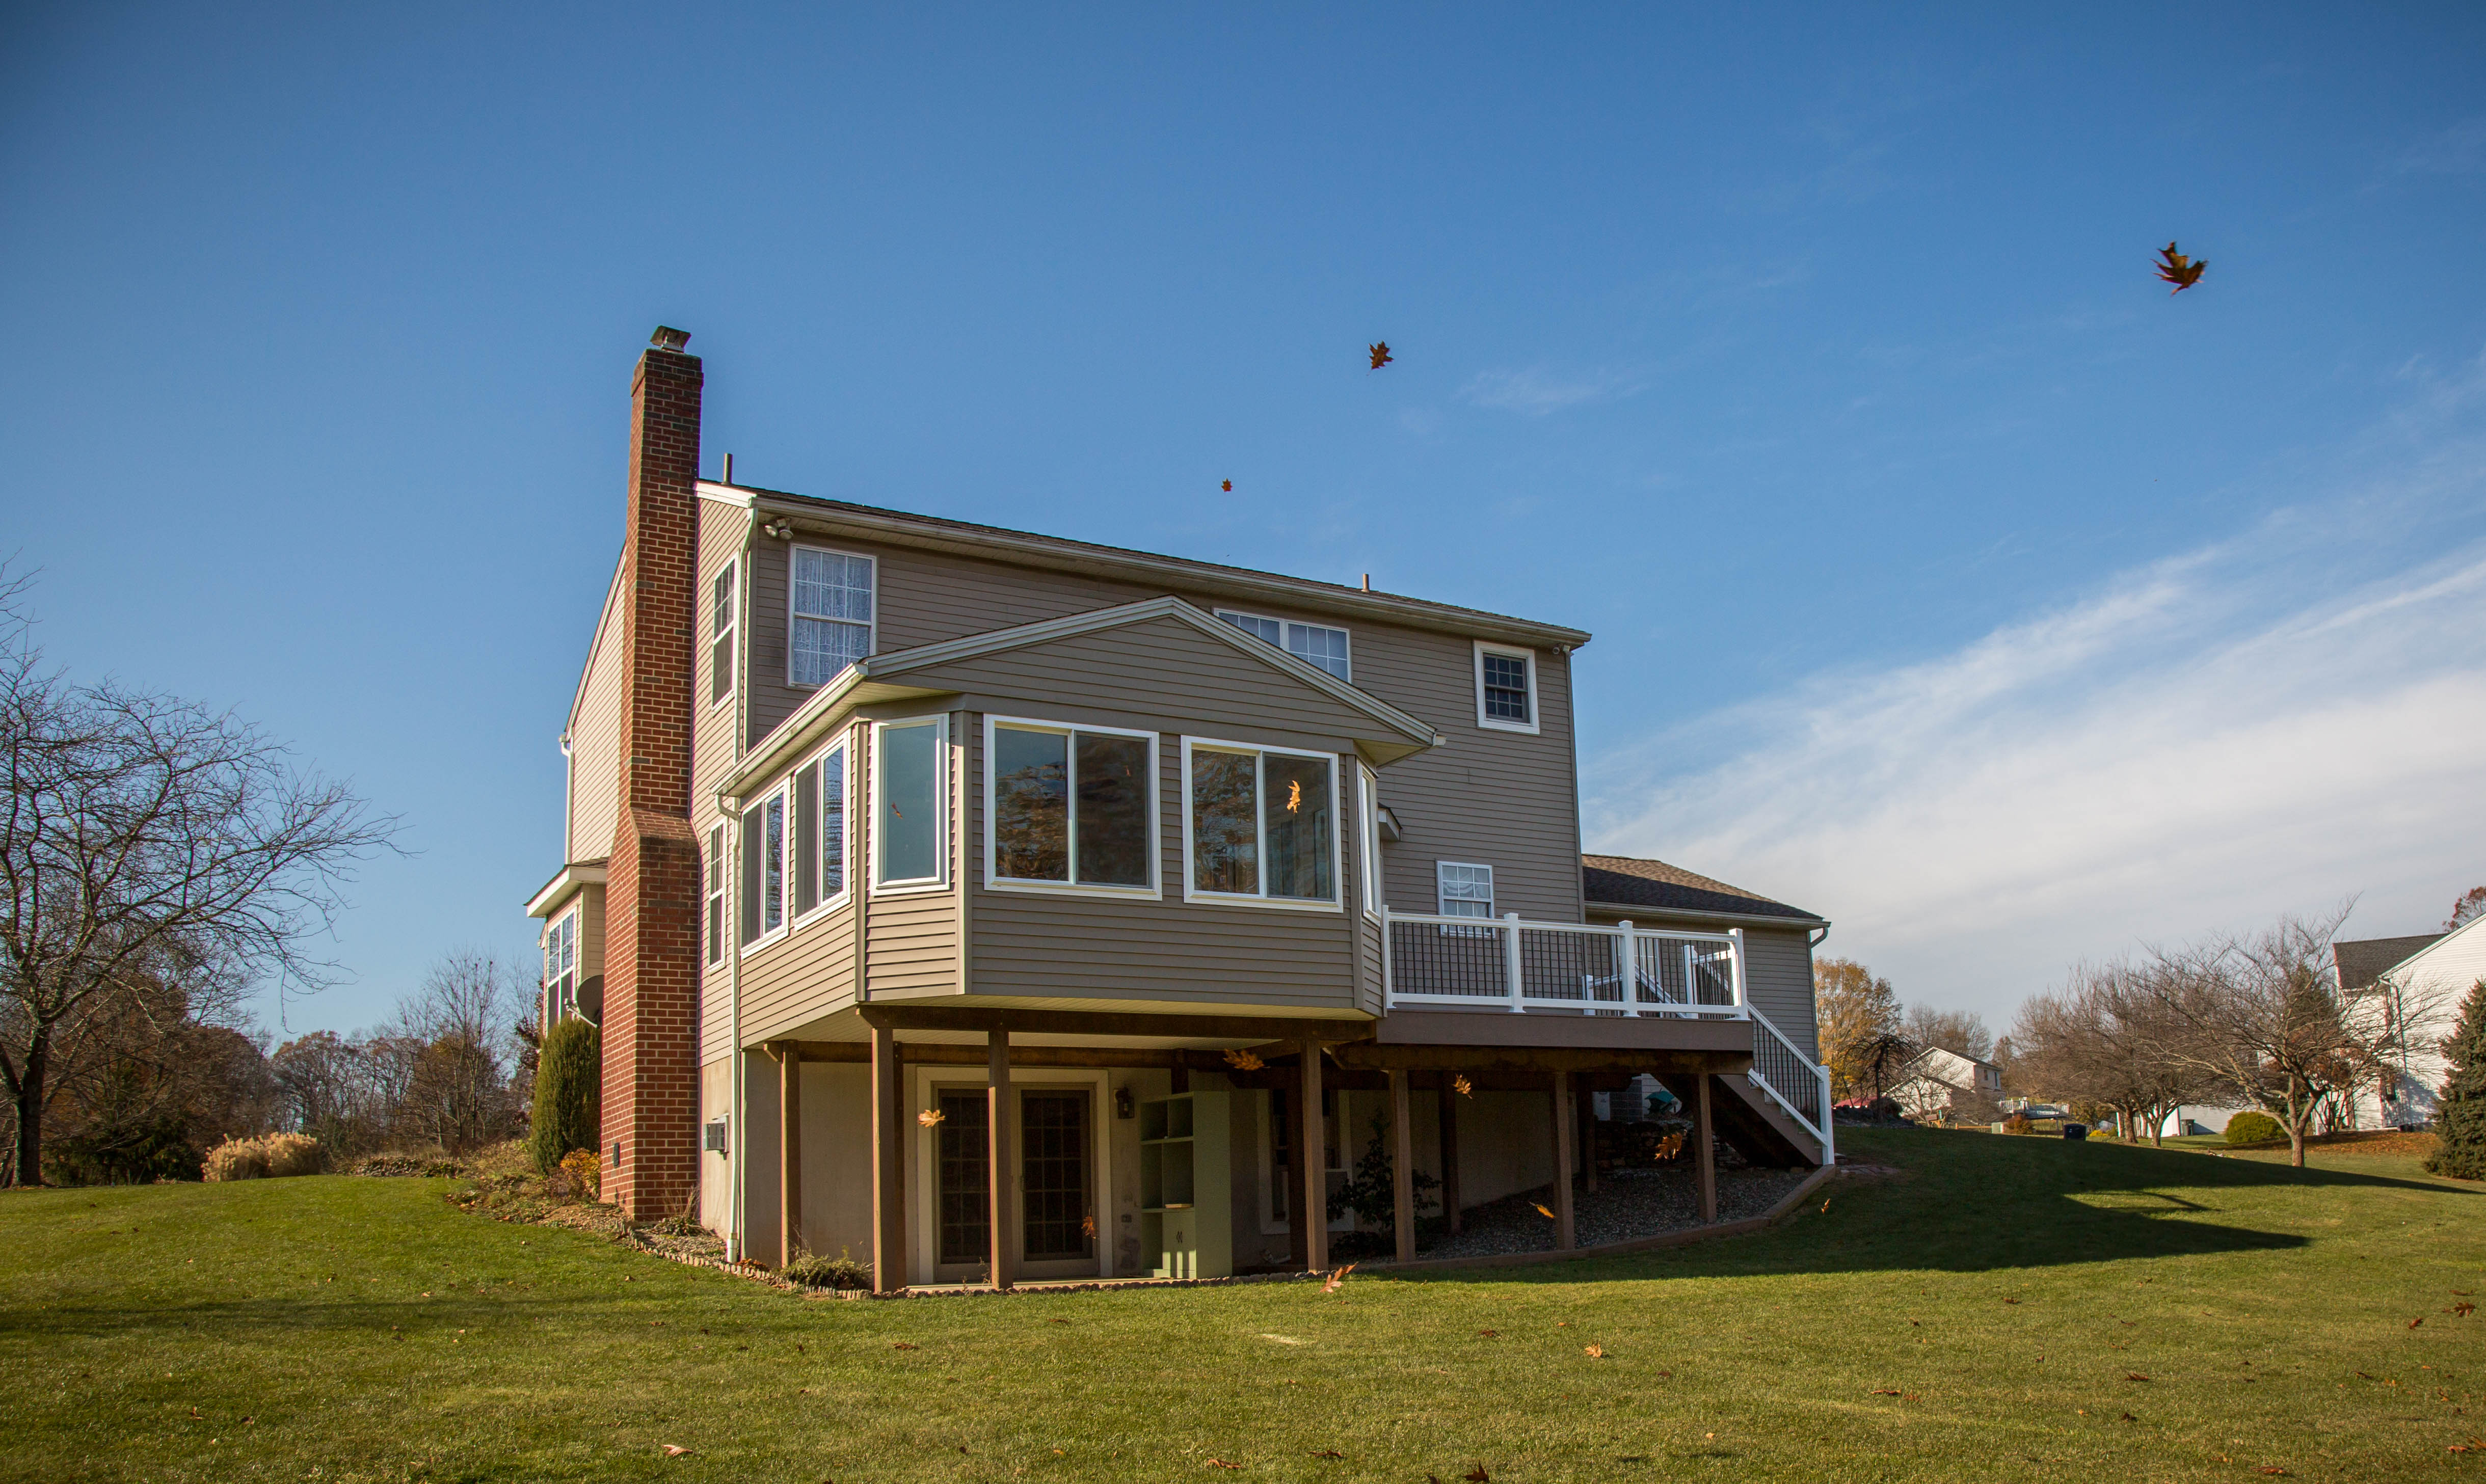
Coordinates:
2076 1131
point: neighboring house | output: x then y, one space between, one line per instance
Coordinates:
920 873
1936 1084
2413 987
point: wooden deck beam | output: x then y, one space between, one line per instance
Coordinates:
998 1163
1313 1210
1402 1166
1706 1146
1565 1233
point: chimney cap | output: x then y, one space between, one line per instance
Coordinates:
667 338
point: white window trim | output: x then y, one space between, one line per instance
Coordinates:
1261 827
1535 715
1334 628
846 854
716 903
733 645
939 881
871 625
783 791
569 918
1441 903
1367 823
994 881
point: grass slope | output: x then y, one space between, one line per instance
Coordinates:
2007 1290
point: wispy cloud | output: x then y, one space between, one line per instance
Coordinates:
1537 390
2201 742
2458 151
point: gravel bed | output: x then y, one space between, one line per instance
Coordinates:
1628 1204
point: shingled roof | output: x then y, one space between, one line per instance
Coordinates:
2368 959
1628 881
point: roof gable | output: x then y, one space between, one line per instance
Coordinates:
1630 881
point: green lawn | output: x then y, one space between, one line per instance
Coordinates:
2007 1290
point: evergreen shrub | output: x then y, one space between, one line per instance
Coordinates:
2252 1128
2460 1123
569 1094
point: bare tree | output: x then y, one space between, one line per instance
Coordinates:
2264 1017
456 1029
2106 1039
155 858
1961 1032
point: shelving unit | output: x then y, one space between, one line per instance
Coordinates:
1186 1215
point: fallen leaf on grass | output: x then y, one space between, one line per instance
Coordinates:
2134 1376
2127 1417
1329 1453
1338 1278
1594 1352
1477 1475
194 1414
1885 1392
1490 1334
2010 1301
675 1450
2462 1309
903 1345
2270 1468
2418 1320
1219 1463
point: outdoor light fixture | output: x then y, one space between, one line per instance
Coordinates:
1122 1104
779 529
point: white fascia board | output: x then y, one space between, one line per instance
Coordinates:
1641 912
565 883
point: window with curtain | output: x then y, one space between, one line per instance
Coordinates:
1262 823
1464 890
830 613
1070 805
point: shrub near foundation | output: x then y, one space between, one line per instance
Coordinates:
569 1094
2252 1128
269 1156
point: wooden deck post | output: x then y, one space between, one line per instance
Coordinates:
1291 1095
1450 1132
888 1164
1315 1212
1403 1166
1588 1141
1705 1148
1565 1233
1001 1146
789 1151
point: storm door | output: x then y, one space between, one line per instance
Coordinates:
962 1192
1057 1155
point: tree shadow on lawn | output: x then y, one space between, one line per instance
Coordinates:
1975 1202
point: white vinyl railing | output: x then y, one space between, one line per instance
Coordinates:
1507 964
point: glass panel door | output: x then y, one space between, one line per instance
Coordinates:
964 1193
1054 1144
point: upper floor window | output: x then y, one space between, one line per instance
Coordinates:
830 618
819 796
910 786
1307 642
722 609
561 968
1259 823
764 867
1463 890
1071 807
1505 688
1369 836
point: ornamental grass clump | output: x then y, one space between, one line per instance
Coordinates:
840 1271
2253 1128
269 1156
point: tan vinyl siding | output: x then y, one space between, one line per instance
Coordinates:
594 747
1778 977
713 754
801 976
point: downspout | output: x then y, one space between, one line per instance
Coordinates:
737 1128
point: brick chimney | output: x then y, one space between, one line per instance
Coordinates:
651 1082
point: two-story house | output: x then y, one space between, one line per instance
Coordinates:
1006 907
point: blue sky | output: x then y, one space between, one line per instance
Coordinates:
1949 577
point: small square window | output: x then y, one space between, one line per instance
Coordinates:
1506 689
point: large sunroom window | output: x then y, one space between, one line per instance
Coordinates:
1261 823
911 803
1070 805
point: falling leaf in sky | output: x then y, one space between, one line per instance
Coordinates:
930 1117
1381 356
1338 1278
1243 1061
2173 267
1460 1084
1228 486
1543 1212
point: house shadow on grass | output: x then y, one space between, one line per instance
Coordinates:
1972 1202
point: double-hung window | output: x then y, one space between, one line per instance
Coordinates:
1314 645
830 613
561 968
1506 681
1260 824
910 804
1463 890
722 626
716 894
1368 837
1069 807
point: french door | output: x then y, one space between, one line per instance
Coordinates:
1057 1226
